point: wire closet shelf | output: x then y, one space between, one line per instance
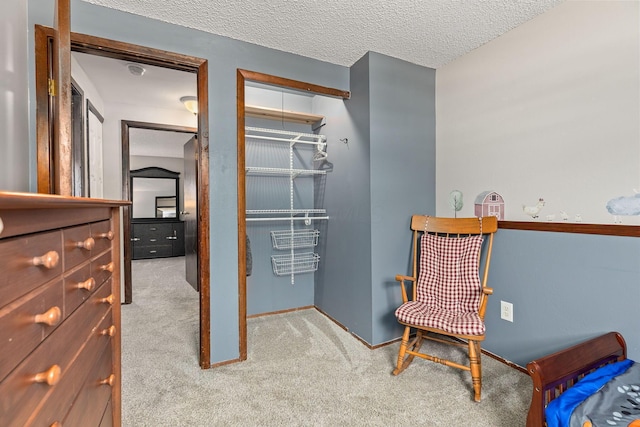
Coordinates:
293 262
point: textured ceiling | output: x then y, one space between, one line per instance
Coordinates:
425 32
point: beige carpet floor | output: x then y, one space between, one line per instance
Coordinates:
302 370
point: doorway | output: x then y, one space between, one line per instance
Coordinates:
141 55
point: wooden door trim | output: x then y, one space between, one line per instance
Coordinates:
120 50
242 77
125 127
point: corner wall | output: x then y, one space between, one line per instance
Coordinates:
387 174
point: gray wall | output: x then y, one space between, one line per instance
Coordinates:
16 166
343 282
403 167
565 288
224 56
386 174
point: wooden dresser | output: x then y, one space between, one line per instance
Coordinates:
59 311
157 238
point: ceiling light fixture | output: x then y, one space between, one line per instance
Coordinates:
190 103
136 69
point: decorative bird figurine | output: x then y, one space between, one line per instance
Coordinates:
533 211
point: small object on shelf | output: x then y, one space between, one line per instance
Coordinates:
299 263
533 211
287 239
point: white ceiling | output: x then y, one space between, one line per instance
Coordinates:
425 32
158 88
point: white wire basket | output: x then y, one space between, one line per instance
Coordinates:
287 239
300 263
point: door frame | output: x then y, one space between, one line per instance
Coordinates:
242 77
126 126
47 173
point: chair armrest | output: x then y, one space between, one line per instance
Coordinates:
487 291
400 278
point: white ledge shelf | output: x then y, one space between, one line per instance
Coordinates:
277 114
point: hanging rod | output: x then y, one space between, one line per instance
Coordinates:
285 211
296 218
254 170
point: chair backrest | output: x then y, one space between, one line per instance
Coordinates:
447 256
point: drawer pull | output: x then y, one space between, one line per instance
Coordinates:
153 240
48 260
153 252
153 229
87 244
135 239
107 300
50 317
56 424
110 380
110 331
88 284
108 235
107 267
51 376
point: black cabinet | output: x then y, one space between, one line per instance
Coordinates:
157 239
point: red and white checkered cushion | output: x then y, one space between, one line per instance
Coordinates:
449 289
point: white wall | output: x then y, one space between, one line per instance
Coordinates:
112 148
550 109
15 163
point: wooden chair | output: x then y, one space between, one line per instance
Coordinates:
448 298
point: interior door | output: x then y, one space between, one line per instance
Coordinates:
190 212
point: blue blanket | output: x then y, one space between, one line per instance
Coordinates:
558 412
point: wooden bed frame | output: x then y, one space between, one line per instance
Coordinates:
555 373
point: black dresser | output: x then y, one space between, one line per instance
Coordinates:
157 238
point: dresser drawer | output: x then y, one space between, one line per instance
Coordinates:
78 245
102 267
79 284
107 417
151 234
88 409
39 374
57 405
102 235
152 251
28 262
27 321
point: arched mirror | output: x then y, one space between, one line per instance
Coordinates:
155 193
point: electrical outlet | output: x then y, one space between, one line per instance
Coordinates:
506 311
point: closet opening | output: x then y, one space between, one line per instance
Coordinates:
283 162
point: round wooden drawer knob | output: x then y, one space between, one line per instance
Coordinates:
110 380
51 376
48 260
108 300
108 267
108 235
110 331
56 424
88 284
50 317
87 244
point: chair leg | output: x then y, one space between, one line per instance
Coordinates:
476 368
402 351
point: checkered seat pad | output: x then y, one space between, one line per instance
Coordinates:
449 289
